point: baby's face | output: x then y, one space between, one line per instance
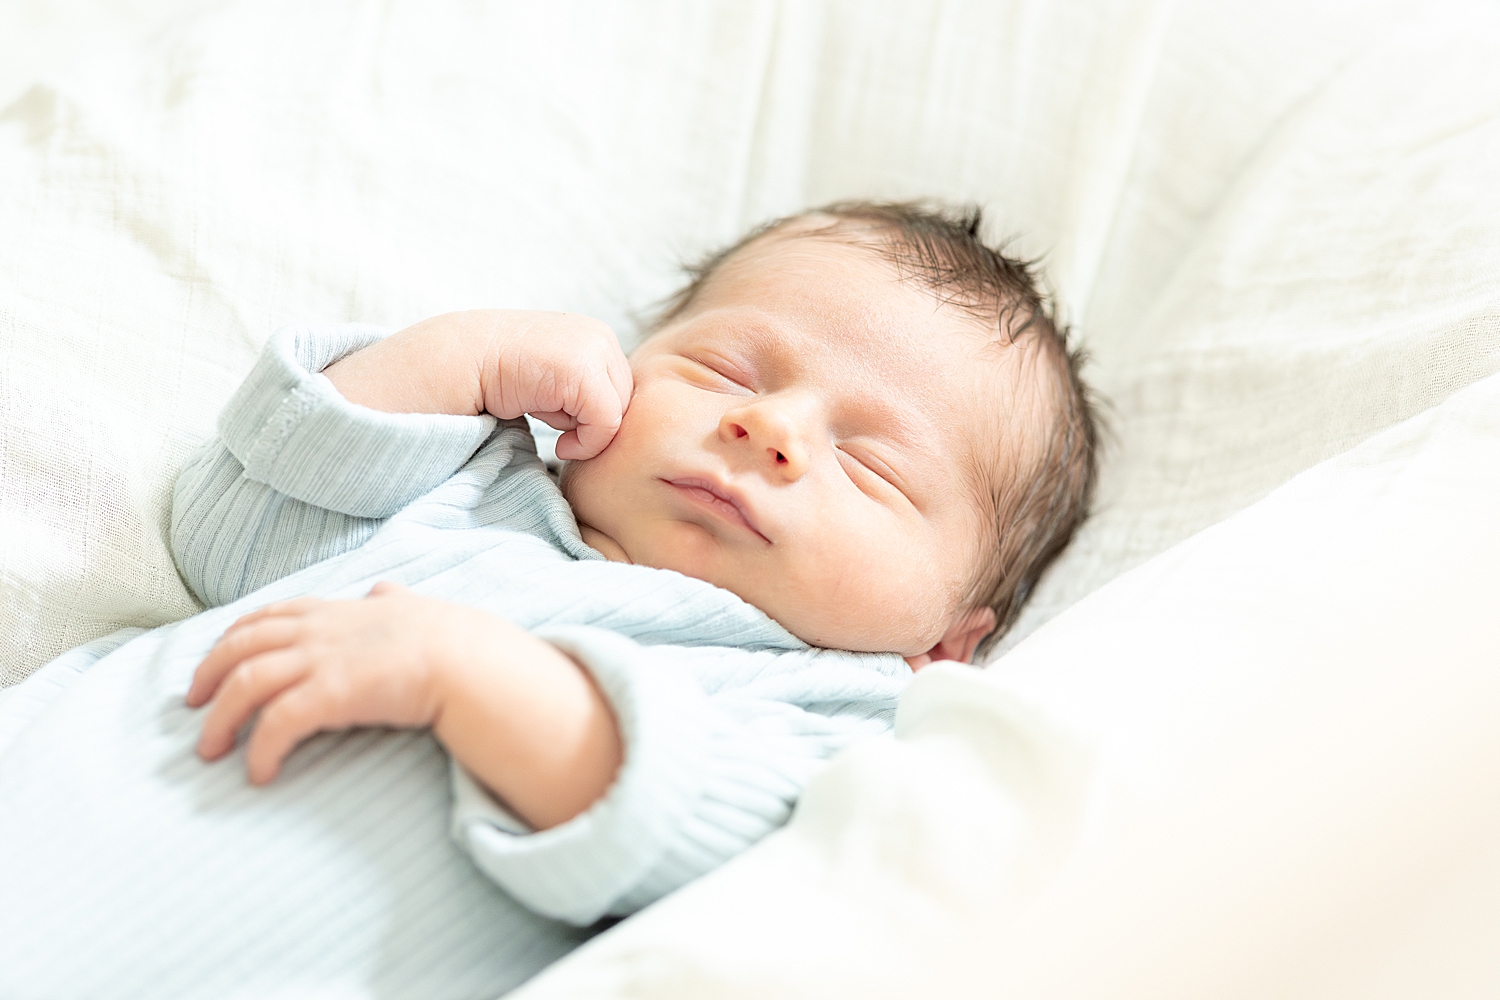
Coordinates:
799 437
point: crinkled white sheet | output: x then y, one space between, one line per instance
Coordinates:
1271 222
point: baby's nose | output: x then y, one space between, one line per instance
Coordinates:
773 436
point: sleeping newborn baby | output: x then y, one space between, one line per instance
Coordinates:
847 449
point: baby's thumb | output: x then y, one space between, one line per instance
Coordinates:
598 421
585 442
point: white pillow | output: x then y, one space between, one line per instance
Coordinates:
1263 764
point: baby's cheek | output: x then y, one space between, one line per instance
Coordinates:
915 597
874 603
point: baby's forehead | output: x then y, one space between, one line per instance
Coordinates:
835 262
796 245
852 279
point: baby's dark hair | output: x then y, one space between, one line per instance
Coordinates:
1039 503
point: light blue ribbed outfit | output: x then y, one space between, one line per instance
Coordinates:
130 868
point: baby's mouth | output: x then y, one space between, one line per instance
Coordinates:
719 500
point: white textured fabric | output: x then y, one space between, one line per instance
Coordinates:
1275 241
723 716
1264 764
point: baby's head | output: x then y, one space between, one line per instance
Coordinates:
861 420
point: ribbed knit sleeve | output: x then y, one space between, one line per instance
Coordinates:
705 775
299 474
290 429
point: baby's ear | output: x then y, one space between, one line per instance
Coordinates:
961 639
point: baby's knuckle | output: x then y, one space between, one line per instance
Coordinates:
242 678
335 688
281 714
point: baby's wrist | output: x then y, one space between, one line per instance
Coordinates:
452 671
430 367
527 721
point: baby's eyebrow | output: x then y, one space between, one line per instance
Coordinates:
762 345
770 338
881 409
908 442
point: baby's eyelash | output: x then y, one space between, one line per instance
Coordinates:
724 371
875 468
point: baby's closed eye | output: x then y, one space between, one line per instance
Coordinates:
870 473
722 372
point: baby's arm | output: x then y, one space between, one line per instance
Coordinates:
299 474
519 715
562 368
646 765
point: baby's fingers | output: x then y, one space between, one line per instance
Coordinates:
603 397
254 634
558 420
253 683
571 445
621 377
285 722
598 417
295 606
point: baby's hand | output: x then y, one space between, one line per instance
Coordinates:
564 369
310 665
519 714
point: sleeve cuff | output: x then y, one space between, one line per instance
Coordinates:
577 871
292 430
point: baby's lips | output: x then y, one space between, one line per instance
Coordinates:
726 500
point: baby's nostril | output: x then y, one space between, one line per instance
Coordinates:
739 431
780 458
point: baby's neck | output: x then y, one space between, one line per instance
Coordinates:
607 546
